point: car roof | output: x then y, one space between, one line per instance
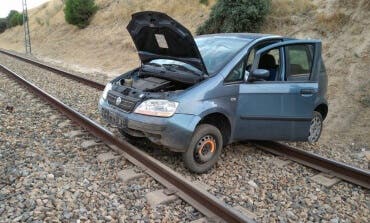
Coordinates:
249 36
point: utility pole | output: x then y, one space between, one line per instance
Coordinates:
27 37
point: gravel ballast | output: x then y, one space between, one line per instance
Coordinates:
244 176
47 176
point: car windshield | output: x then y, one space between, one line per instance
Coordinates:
179 64
217 51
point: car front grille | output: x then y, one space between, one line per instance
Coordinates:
127 103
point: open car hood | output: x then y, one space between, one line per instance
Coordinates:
158 36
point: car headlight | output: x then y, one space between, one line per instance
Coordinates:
157 107
107 88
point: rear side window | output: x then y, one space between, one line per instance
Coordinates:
299 62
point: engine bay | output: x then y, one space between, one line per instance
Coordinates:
152 84
154 81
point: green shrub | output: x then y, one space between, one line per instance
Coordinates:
3 24
14 19
235 16
79 12
20 18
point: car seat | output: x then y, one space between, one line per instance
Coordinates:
268 62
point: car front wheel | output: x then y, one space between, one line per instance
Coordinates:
204 150
127 136
315 127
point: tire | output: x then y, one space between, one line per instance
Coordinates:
315 127
204 149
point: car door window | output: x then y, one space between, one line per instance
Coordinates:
249 62
250 59
298 62
270 61
237 73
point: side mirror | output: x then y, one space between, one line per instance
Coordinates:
259 74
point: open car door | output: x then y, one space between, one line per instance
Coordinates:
281 109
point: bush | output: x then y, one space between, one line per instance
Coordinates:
3 24
20 18
235 16
14 19
79 12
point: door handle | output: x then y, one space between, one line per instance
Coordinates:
307 92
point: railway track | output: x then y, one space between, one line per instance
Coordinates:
207 204
66 74
331 167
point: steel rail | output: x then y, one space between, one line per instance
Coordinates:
334 168
341 170
66 74
202 200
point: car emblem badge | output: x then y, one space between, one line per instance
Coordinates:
118 101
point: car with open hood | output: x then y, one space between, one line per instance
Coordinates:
196 95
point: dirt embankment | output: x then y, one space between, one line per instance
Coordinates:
105 47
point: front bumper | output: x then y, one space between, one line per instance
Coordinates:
174 132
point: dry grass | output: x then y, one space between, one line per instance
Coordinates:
46 14
353 4
364 96
331 23
284 12
286 8
120 11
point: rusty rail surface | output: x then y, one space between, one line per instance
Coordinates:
66 74
203 201
341 170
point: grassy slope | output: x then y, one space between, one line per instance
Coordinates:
105 46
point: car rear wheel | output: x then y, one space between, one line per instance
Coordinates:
204 150
315 127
